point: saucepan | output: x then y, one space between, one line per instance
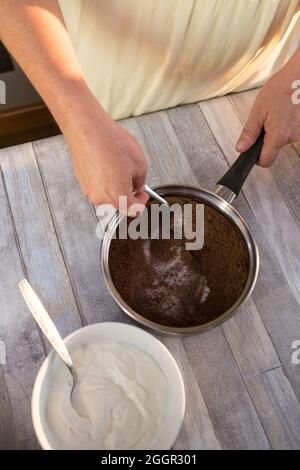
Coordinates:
220 198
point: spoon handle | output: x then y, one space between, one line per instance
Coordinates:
155 196
235 177
44 321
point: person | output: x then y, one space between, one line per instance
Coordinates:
107 160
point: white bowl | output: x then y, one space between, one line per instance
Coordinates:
137 337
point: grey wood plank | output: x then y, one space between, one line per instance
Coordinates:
243 102
197 431
250 343
167 156
7 424
173 166
198 143
286 171
230 408
75 223
131 125
23 347
279 310
38 242
278 408
274 299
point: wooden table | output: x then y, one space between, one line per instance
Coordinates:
243 391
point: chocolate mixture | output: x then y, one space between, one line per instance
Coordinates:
171 286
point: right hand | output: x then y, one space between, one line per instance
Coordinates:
108 162
275 111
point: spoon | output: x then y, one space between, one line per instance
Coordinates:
156 196
47 326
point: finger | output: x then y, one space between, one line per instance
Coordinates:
140 174
141 198
138 183
136 204
269 152
251 131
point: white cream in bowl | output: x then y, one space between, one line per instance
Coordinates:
130 393
119 401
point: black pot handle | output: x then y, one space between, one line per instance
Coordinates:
235 177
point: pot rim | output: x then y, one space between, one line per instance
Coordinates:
226 209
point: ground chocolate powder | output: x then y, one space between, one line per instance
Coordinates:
172 286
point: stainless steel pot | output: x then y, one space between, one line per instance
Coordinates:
220 198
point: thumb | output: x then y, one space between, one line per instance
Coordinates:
250 133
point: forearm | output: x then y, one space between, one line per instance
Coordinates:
35 34
107 161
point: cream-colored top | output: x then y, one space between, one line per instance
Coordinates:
144 55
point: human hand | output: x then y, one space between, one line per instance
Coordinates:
276 111
108 162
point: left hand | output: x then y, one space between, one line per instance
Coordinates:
274 110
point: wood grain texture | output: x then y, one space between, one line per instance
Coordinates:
230 407
242 389
36 234
7 424
131 125
278 408
23 346
166 154
197 431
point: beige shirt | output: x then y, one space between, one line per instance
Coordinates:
144 55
